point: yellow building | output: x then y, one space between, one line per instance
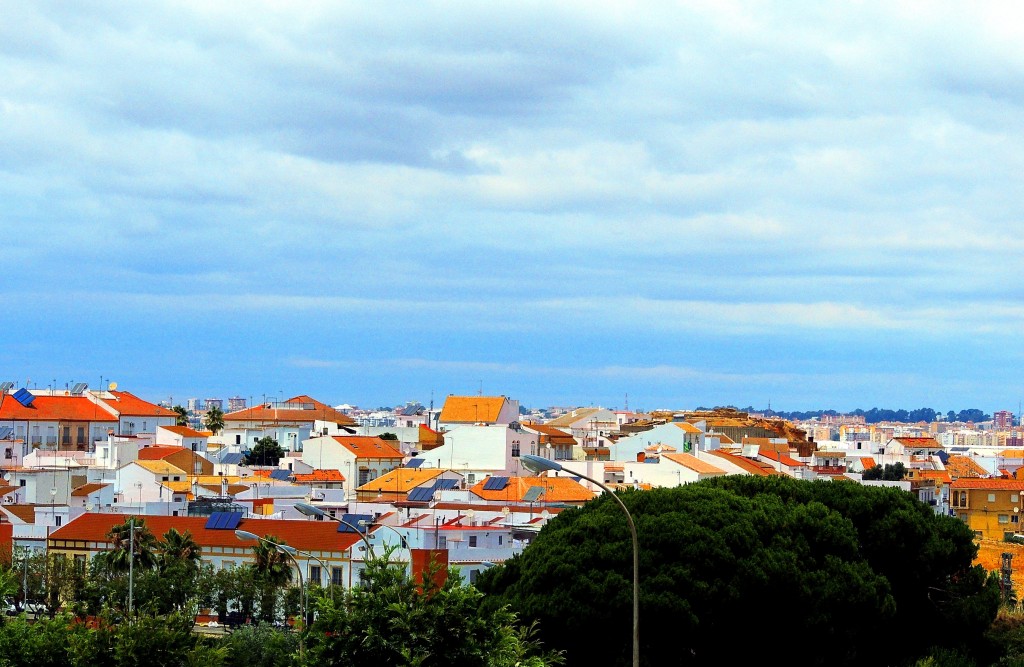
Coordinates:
991 507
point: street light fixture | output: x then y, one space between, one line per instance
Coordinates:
540 464
289 551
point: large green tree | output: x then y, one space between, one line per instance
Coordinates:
391 619
836 563
265 452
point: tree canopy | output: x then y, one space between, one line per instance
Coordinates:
266 452
214 419
836 563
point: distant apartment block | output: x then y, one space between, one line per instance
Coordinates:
1002 420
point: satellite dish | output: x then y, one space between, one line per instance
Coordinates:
89 507
1016 509
112 386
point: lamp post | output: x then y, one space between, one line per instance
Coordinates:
131 563
289 551
541 464
310 510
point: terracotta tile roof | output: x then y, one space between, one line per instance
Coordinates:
186 432
937 475
724 439
160 467
918 443
1012 454
367 446
789 461
988 483
158 452
693 463
558 489
555 436
87 489
867 462
232 490
5 490
964 466
401 480
181 487
306 535
471 409
292 411
687 426
130 405
748 465
320 476
215 479
54 408
25 513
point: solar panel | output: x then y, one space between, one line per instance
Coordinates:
232 520
6 432
446 484
421 494
495 483
211 523
351 524
5 387
79 388
532 494
414 463
279 474
24 396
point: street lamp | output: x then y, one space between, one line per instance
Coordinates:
541 464
289 551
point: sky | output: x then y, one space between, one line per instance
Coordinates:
656 205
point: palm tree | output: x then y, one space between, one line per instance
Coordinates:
214 419
182 418
144 545
179 548
272 565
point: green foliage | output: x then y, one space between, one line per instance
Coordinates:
892 472
214 419
393 620
388 436
143 545
182 415
260 645
835 562
266 452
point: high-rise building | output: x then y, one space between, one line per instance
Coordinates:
236 403
194 404
1002 419
215 403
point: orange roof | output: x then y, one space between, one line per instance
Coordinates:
787 460
87 489
917 443
54 408
555 435
306 535
693 463
26 513
1012 453
320 476
687 426
988 483
158 452
401 480
368 446
938 475
749 465
296 409
471 409
185 431
964 466
4 490
557 489
571 418
131 405
867 462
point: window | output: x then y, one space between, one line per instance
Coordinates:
21 482
364 476
1015 498
336 576
314 574
165 478
472 540
501 539
238 439
515 449
1004 518
991 497
80 562
58 519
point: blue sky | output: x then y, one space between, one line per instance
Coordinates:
694 203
